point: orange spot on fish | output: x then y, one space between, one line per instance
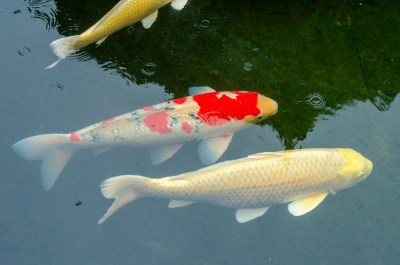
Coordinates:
179 100
74 137
108 120
218 108
186 127
158 122
148 108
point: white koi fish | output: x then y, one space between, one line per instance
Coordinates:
252 184
123 14
210 116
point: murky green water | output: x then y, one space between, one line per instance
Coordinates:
333 67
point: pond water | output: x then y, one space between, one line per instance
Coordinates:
332 66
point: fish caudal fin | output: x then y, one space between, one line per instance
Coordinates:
123 189
53 149
62 48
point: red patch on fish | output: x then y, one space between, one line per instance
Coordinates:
74 137
179 100
217 109
108 120
158 122
186 127
148 108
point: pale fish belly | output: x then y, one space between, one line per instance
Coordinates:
122 15
260 183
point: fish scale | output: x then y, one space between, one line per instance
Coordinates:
251 185
128 13
274 181
123 14
206 116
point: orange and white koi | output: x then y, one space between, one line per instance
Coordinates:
252 184
123 14
206 115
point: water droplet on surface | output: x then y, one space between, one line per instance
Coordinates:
149 69
205 23
315 100
247 66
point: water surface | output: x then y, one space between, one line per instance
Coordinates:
333 67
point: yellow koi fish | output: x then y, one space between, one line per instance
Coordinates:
123 14
252 184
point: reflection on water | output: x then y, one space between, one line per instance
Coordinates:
313 66
305 54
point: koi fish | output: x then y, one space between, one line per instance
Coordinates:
252 184
206 116
123 14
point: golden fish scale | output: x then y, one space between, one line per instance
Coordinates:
127 14
257 183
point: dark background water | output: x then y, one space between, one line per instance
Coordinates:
333 67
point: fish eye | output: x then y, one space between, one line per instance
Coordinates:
259 116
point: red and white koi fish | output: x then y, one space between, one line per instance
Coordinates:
207 116
123 14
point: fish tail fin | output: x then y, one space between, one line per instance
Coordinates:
123 189
62 48
55 151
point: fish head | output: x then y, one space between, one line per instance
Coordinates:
267 107
218 108
356 168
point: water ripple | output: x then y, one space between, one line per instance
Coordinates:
149 69
316 101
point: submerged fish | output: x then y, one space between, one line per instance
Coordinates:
123 14
210 116
252 184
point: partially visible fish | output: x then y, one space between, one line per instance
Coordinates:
252 184
123 14
206 115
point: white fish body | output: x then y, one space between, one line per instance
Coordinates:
252 184
207 116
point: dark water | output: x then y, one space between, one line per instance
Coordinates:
333 67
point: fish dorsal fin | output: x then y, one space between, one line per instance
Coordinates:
149 20
105 17
212 148
178 203
162 153
306 204
225 164
265 155
197 90
245 215
178 4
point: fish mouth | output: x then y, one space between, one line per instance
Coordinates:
368 169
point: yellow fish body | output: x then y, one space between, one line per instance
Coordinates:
123 14
252 184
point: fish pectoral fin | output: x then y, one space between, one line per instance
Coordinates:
306 204
161 154
178 4
212 148
149 20
178 203
101 41
197 90
245 215
98 151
